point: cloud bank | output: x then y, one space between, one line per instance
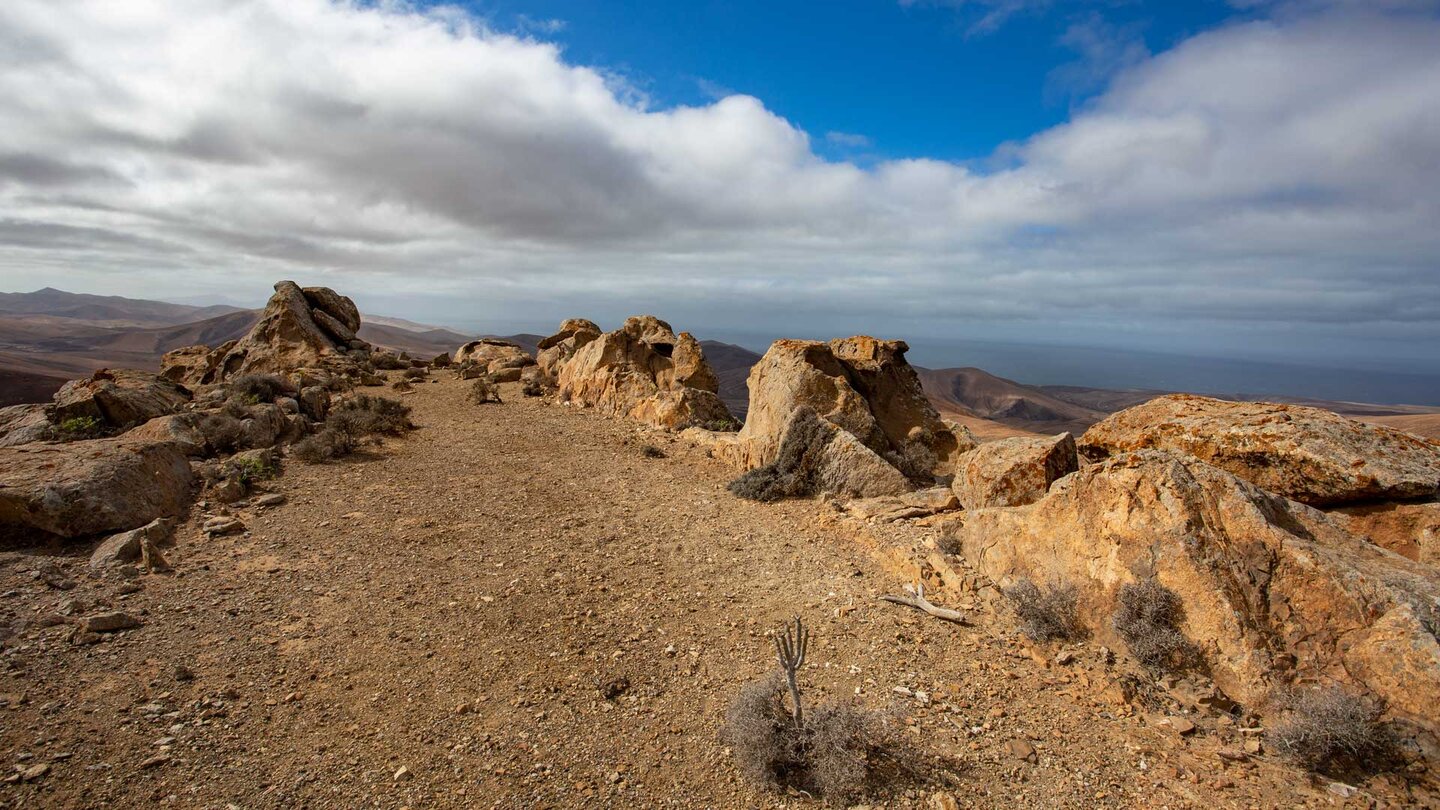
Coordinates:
1282 174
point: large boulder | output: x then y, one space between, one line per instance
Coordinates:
1015 471
23 424
118 399
493 355
300 328
88 487
1308 454
863 386
1273 591
644 371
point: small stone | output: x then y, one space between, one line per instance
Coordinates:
403 774
1253 746
1181 726
273 499
155 761
615 687
109 622
222 525
1021 750
943 801
34 772
1065 657
182 673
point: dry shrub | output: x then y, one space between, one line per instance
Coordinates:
651 451
415 374
350 422
366 415
222 430
236 408
483 391
839 754
532 388
1331 730
1045 614
256 388
792 474
327 445
1147 616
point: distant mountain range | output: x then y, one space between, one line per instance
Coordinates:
50 336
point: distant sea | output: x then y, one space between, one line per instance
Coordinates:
1122 369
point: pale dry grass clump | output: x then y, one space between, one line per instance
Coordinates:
350 422
1148 616
257 388
1046 615
1329 730
483 391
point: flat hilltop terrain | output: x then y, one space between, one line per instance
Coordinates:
514 606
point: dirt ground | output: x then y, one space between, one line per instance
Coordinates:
434 623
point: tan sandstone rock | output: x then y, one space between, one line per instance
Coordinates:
558 348
87 487
1015 471
646 372
1308 454
492 355
1272 590
863 386
309 328
1411 530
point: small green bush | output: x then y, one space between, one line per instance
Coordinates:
249 470
79 427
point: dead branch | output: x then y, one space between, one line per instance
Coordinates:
917 600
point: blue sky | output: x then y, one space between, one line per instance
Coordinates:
923 79
1247 179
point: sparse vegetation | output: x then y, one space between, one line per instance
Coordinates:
223 431
415 374
236 408
350 422
80 427
254 389
327 445
834 751
483 391
365 415
723 425
792 474
1148 616
532 388
651 451
1045 615
250 469
1331 730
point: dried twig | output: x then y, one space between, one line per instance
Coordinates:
790 651
917 600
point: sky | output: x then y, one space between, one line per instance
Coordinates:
1247 179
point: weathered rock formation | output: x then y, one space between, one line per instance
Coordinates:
1013 472
118 399
1411 530
644 371
861 385
87 487
561 346
501 360
313 327
1308 454
22 424
1272 590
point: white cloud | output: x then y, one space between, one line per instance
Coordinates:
1281 171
